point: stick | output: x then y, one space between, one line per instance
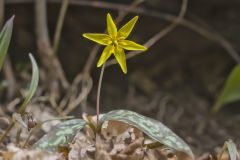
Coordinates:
85 76
59 26
160 34
47 56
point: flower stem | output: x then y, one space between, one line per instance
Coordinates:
99 91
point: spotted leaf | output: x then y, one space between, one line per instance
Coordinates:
61 134
154 129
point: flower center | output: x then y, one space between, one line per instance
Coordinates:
114 42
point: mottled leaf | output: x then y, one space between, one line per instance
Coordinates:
230 91
33 85
60 134
154 129
232 150
5 37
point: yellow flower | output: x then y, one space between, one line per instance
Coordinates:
115 42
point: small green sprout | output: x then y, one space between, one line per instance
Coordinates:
115 42
230 91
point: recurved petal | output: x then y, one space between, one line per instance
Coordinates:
111 27
130 45
127 28
121 59
103 39
105 55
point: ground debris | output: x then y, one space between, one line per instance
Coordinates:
117 141
15 153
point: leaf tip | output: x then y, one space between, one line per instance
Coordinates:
13 17
31 56
10 21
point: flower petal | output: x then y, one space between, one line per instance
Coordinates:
103 39
127 28
121 58
111 27
105 55
130 45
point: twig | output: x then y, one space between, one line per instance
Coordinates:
41 29
12 123
96 47
49 60
85 76
59 26
74 102
8 72
212 35
159 35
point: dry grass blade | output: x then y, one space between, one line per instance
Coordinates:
85 76
31 91
33 85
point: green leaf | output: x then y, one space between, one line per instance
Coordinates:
64 131
5 37
230 91
154 129
232 150
33 85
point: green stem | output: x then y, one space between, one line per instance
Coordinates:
99 92
97 137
